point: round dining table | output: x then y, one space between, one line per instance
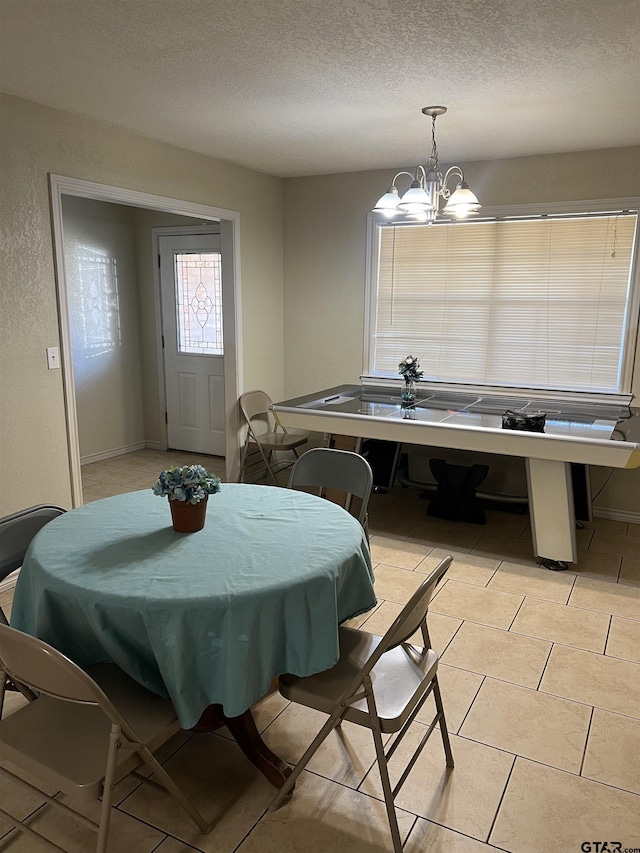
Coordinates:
207 618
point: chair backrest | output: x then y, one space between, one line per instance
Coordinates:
17 531
46 670
414 613
325 467
255 403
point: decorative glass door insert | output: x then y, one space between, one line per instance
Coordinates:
199 303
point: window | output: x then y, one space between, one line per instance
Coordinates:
540 301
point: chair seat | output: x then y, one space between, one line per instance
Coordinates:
30 739
280 440
396 678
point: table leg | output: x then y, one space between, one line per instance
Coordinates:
244 730
553 521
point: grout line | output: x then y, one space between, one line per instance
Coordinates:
545 666
586 743
515 615
504 791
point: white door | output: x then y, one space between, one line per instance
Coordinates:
191 290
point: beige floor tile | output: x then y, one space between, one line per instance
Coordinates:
506 523
558 623
548 810
614 543
624 639
391 525
535 581
464 798
427 837
506 548
617 599
633 529
605 682
584 536
499 654
397 552
591 564
358 621
170 845
458 688
477 603
394 584
322 816
345 756
125 833
117 476
528 723
441 628
219 781
607 525
101 491
630 572
467 568
613 751
444 534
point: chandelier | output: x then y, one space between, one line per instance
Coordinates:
422 200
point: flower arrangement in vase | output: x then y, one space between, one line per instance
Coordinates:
409 369
187 488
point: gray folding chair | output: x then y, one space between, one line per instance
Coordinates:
16 532
392 681
326 468
85 733
265 432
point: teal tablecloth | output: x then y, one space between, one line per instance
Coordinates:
204 617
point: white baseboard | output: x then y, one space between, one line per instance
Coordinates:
154 445
617 515
117 451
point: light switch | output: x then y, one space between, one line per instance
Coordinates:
53 358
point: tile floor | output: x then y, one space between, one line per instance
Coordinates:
540 675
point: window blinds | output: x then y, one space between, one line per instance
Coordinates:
537 303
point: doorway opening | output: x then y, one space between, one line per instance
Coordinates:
209 219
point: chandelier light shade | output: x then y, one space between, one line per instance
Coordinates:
421 201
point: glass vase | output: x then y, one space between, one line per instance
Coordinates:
409 392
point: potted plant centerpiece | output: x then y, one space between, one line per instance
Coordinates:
409 369
188 488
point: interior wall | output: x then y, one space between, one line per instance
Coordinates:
325 242
37 140
102 288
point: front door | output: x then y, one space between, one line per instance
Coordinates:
191 291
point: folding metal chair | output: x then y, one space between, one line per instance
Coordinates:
16 532
272 438
85 733
343 470
393 680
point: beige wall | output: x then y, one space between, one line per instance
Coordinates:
325 231
37 140
105 344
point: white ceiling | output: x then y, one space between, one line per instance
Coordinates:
299 87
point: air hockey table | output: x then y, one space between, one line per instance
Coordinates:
577 430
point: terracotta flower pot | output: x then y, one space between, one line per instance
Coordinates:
186 517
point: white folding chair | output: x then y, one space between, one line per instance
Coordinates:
16 532
265 432
342 470
85 733
393 680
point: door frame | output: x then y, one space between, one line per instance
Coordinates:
178 231
229 220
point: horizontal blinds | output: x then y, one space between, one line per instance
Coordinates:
534 303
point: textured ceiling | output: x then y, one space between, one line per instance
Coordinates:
298 87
